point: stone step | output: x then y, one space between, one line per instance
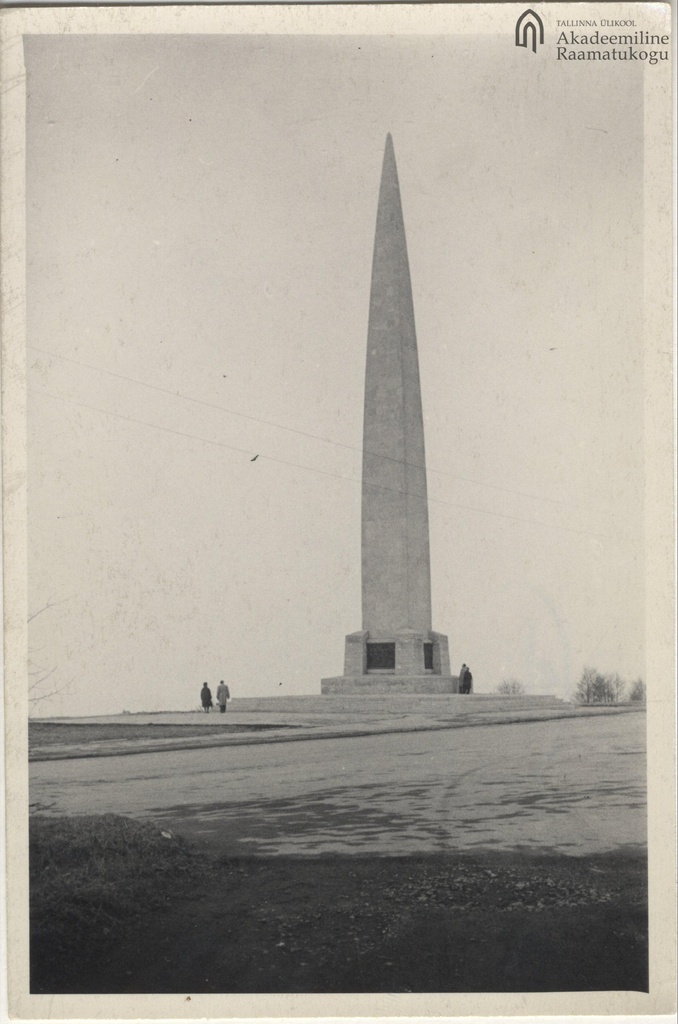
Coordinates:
405 704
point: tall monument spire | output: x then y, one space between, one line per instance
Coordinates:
396 570
395 650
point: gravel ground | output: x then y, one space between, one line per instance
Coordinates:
492 922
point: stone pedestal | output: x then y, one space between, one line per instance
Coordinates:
355 655
371 684
441 654
407 661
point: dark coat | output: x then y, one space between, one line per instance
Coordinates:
206 696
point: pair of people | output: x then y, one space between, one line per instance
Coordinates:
465 679
223 696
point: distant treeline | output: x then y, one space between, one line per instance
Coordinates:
596 687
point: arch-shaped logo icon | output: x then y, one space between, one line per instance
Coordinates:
528 25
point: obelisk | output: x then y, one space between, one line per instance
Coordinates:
396 649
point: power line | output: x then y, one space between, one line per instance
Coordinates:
303 433
298 465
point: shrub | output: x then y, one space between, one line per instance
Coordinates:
511 687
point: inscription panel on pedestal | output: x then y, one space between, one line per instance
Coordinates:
381 657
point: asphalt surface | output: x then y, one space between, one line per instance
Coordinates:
573 785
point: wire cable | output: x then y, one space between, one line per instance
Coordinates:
315 437
298 465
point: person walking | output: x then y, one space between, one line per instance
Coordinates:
223 695
206 698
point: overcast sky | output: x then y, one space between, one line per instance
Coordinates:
200 217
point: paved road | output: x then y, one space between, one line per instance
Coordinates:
574 785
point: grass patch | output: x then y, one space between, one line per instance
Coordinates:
88 874
55 734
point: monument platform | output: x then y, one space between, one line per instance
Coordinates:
299 718
384 684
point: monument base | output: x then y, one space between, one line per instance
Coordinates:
405 661
377 683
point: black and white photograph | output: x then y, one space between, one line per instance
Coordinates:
334 389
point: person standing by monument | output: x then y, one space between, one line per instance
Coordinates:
206 698
465 679
223 696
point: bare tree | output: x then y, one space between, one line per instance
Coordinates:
43 682
511 687
617 687
602 692
45 608
638 691
585 691
595 687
